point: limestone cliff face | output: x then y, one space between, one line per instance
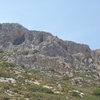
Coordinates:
42 50
96 57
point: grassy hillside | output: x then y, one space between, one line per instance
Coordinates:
18 83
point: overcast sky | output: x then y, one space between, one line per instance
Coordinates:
75 20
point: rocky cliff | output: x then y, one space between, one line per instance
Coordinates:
35 65
42 50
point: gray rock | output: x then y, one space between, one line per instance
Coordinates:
46 51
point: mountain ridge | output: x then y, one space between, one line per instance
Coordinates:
35 65
15 37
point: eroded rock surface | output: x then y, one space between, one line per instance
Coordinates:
42 50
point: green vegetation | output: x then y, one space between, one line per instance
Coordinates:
23 52
65 78
28 89
30 83
53 71
35 51
75 94
5 74
36 88
7 64
1 50
97 92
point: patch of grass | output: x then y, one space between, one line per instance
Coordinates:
96 92
65 78
36 88
45 96
7 64
53 71
5 74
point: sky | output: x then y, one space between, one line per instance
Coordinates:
74 20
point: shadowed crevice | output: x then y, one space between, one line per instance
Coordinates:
19 40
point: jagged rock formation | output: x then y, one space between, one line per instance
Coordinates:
42 50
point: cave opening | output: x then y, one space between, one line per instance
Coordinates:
19 40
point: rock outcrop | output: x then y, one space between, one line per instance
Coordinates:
42 50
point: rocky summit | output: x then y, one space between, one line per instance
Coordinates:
60 69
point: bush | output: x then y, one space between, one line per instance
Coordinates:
1 50
5 74
7 64
36 88
23 52
35 51
22 66
65 78
54 71
97 92
75 94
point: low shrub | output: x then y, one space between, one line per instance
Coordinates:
7 64
35 51
97 92
23 52
36 88
65 78
1 50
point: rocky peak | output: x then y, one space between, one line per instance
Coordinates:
12 33
17 34
42 65
15 37
10 26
